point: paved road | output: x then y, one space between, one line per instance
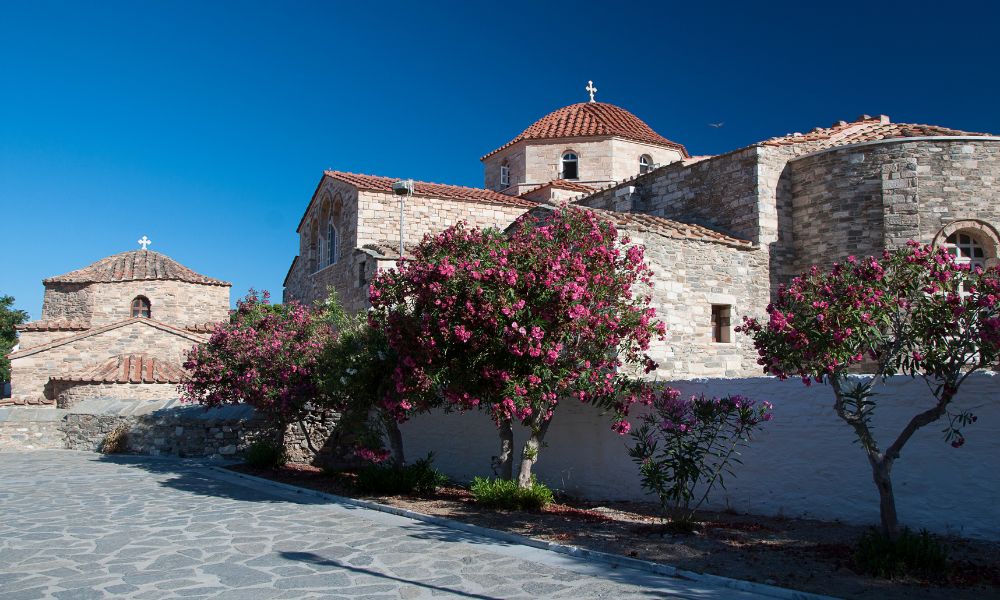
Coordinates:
78 525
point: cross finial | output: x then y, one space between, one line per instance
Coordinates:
144 241
590 88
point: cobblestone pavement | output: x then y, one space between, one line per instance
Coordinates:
79 525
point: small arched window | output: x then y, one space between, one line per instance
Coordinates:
570 163
645 161
331 244
140 307
966 249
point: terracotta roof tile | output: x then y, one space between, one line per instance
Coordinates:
55 325
136 265
202 327
592 119
389 250
128 368
376 183
670 228
864 129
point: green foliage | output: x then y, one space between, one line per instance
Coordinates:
352 376
419 478
10 318
266 454
506 494
910 554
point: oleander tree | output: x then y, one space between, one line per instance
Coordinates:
265 355
514 324
10 318
914 311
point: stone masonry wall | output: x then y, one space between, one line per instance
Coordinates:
379 216
176 303
860 199
689 278
30 374
600 160
67 302
350 276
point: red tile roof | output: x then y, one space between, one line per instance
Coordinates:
864 129
390 250
128 368
136 265
592 119
55 325
376 183
202 327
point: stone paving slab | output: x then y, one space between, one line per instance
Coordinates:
81 525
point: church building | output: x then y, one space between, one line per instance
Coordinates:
721 232
118 328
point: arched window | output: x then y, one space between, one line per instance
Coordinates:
966 249
140 307
569 166
644 163
331 243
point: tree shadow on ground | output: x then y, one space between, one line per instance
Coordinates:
316 559
196 477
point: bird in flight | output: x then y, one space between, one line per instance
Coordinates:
717 125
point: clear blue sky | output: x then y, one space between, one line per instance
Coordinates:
206 125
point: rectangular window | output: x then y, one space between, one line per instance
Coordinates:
504 175
362 280
720 323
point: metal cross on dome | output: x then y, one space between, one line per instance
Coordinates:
590 88
145 241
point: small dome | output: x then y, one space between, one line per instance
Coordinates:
136 265
592 119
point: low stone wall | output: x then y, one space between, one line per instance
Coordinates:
166 427
30 428
163 428
804 463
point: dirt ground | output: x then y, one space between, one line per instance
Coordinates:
801 554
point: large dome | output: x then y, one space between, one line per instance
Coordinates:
592 119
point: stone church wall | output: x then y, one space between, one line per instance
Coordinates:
378 216
67 302
175 303
689 278
350 276
859 199
30 374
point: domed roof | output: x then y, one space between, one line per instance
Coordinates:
136 265
592 119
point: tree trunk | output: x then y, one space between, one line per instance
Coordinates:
529 455
881 469
395 441
504 463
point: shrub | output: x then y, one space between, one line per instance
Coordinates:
266 454
508 495
116 441
915 554
683 443
418 478
515 324
915 311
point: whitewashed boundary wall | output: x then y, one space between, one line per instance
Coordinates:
805 463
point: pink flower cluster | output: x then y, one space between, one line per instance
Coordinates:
515 322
